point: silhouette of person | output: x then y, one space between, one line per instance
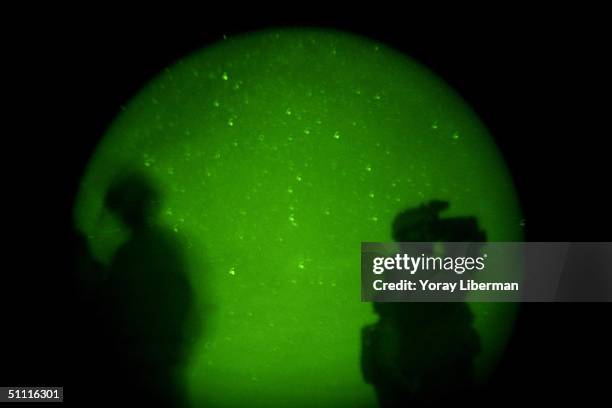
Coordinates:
148 296
420 354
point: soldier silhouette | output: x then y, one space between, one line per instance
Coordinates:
420 354
148 297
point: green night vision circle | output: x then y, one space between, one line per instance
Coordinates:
274 155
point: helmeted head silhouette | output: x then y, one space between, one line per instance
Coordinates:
133 199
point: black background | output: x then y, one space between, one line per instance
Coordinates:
536 78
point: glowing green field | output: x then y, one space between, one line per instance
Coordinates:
276 154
